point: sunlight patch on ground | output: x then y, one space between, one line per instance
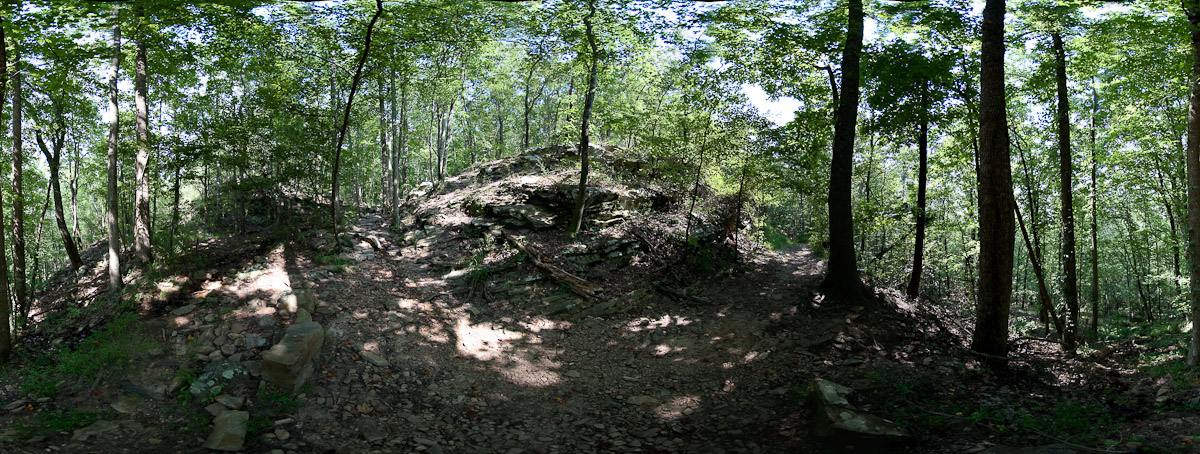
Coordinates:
529 365
677 407
636 325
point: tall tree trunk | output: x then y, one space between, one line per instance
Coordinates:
337 151
1095 291
174 211
1067 206
114 129
396 139
841 277
403 139
75 231
6 342
18 191
1043 292
384 178
141 219
53 162
1192 9
996 236
914 283
581 197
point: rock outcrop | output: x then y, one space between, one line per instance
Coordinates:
835 419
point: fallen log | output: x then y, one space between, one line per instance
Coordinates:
578 285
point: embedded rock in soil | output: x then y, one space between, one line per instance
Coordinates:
219 375
1048 449
836 420
94 429
229 431
289 363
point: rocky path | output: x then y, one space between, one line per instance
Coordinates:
416 360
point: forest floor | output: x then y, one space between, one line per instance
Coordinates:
448 344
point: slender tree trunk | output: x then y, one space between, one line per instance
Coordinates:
995 194
1095 291
914 283
6 341
141 230
114 129
75 231
1043 292
841 277
337 151
174 210
1192 9
396 138
384 178
581 197
403 140
53 162
18 191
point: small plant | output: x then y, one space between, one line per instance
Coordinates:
51 422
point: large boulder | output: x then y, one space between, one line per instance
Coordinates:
835 419
229 431
288 364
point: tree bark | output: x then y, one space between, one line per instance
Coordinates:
581 197
1095 291
6 341
396 138
141 219
1067 207
996 236
114 129
384 178
841 280
18 192
1192 9
53 161
914 283
337 151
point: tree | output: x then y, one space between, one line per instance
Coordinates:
841 280
996 229
1063 116
341 138
1192 9
141 229
589 98
6 341
115 281
18 204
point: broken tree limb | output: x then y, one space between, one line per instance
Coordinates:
578 285
682 296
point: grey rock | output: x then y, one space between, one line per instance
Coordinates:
219 375
184 310
375 359
94 429
288 364
231 402
835 419
229 431
255 340
303 315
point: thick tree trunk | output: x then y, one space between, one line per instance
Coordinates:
841 276
996 236
337 151
1067 206
114 129
581 197
18 192
6 342
1192 9
914 282
141 219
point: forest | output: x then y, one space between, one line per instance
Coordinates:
652 226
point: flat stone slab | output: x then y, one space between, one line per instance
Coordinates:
229 431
